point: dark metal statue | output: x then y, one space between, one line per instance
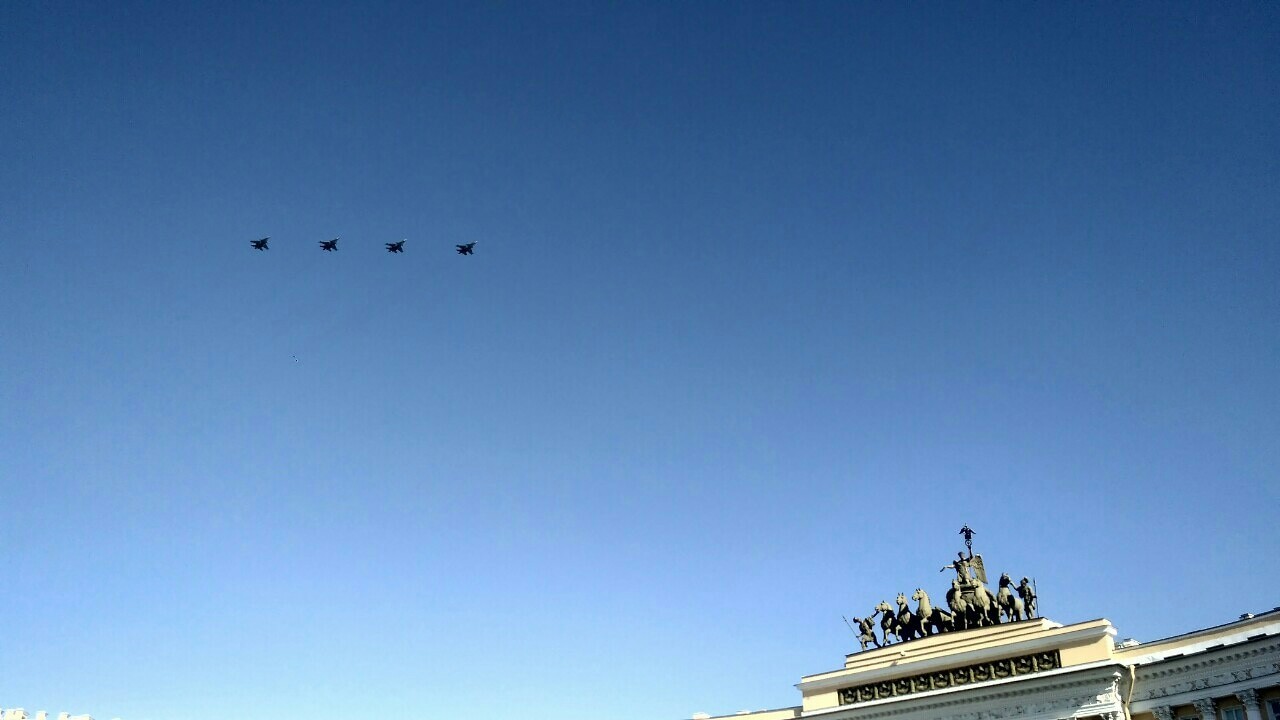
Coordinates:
1027 591
959 606
888 623
985 605
972 603
866 631
961 566
1010 605
909 625
932 619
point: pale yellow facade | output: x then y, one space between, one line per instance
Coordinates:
1042 670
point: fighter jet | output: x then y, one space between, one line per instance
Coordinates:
260 244
467 249
395 247
329 245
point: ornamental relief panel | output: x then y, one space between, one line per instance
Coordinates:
955 677
1070 707
1085 705
995 703
1156 689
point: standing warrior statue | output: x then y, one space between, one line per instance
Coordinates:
1027 591
867 632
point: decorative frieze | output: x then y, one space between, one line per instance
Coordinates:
954 677
1252 663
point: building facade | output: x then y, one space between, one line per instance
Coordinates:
1037 669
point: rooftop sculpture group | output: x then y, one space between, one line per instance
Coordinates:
971 602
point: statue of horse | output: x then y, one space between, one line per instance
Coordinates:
888 623
959 606
932 620
910 625
867 628
985 611
1010 604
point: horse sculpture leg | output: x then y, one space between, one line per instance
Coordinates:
981 616
946 623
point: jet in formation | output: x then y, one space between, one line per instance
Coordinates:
392 247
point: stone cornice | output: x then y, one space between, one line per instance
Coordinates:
1092 686
1178 681
1149 653
956 640
1053 640
1230 633
1170 667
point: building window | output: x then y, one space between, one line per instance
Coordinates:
1233 713
1274 705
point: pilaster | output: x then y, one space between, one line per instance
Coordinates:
1252 711
1206 708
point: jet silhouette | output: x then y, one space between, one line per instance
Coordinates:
329 245
260 244
467 249
397 247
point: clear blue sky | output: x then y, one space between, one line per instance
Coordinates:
769 300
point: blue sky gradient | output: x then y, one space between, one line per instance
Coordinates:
769 299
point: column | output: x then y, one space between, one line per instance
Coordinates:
1163 712
1252 711
1206 708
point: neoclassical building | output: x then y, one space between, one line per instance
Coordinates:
983 664
1041 670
